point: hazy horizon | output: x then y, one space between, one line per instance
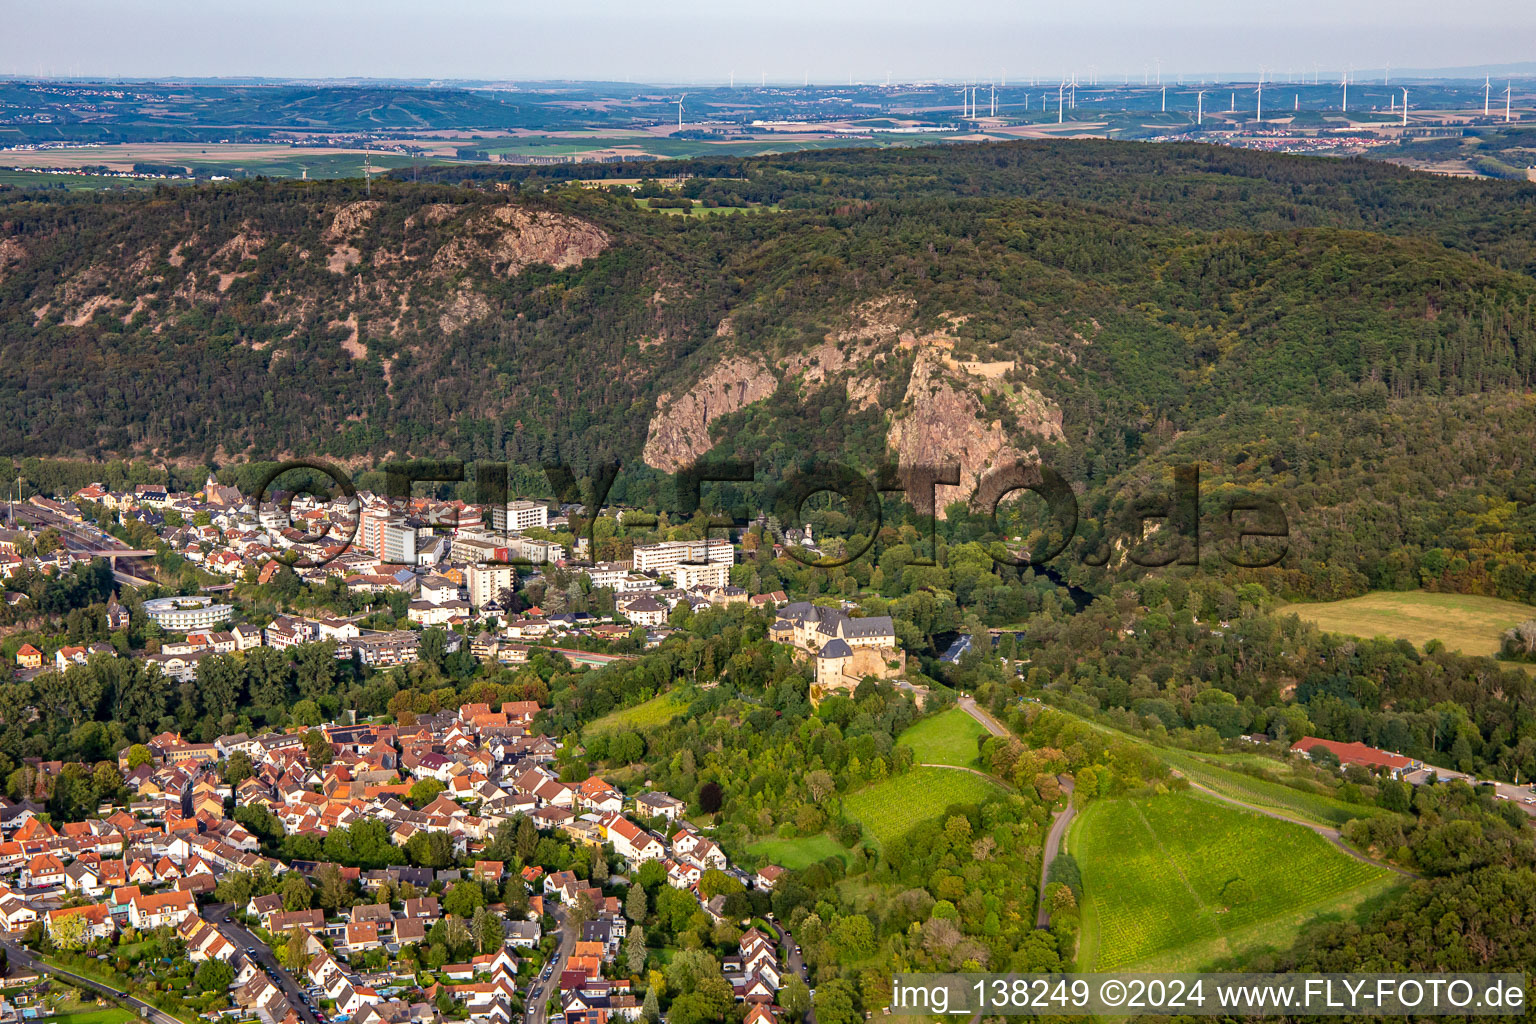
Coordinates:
696 41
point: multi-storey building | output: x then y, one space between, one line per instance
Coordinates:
487 581
183 614
668 555
710 574
519 515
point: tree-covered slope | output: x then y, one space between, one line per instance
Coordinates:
1091 300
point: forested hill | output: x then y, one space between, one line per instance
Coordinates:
1093 300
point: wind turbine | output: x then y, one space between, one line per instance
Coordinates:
1487 89
680 111
1061 92
1344 103
1405 108
1260 92
1165 99
1200 109
1506 102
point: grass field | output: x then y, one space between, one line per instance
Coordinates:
656 711
889 810
799 853
1160 874
946 738
104 1015
1471 625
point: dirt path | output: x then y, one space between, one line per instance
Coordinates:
974 771
1059 823
1331 834
1053 839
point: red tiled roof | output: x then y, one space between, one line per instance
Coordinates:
1355 753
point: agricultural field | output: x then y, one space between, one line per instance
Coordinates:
1270 793
656 711
1465 623
231 160
798 853
1172 882
946 738
72 182
889 810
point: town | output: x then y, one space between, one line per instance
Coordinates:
454 796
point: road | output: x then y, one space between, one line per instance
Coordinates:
992 725
1059 823
19 954
242 937
1517 795
1064 818
792 959
1053 839
86 538
546 983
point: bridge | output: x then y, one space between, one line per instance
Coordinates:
89 540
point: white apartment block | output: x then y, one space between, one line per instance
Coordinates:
397 543
519 515
710 574
486 582
183 614
667 556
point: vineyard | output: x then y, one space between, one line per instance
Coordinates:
1275 795
1174 881
656 711
889 810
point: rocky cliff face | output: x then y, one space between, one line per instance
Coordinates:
679 432
952 411
511 238
942 420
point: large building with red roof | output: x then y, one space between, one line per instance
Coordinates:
1358 753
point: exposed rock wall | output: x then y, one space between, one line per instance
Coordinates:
942 421
679 432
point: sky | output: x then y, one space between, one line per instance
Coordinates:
786 40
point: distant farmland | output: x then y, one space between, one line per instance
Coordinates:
1465 623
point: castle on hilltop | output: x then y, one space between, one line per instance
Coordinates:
845 649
